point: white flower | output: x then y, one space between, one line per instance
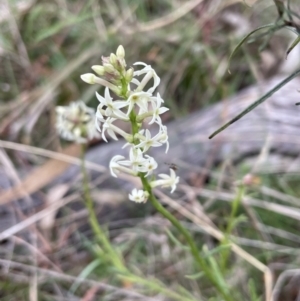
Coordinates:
163 136
76 122
136 159
112 107
167 181
148 166
107 125
147 141
115 166
157 110
150 73
98 120
112 129
140 99
141 132
138 196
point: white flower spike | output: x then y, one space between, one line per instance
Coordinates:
138 106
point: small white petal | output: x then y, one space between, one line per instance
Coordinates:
113 165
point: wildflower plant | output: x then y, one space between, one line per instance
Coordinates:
137 104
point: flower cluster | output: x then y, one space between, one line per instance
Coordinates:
136 103
76 122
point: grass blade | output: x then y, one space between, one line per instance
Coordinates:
255 104
294 44
238 46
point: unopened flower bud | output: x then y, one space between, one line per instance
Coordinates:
88 78
129 75
113 59
99 69
120 52
109 68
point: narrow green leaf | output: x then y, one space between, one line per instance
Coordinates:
176 241
214 267
85 273
57 27
216 250
244 40
280 7
195 276
252 290
255 104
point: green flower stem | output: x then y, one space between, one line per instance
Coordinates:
134 125
100 234
200 261
124 89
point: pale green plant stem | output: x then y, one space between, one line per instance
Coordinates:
231 222
234 207
100 234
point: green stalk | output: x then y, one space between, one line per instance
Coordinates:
100 234
230 225
234 207
194 250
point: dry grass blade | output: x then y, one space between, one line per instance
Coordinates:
49 89
36 217
23 54
228 197
39 177
283 276
280 196
172 17
69 278
34 250
66 157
